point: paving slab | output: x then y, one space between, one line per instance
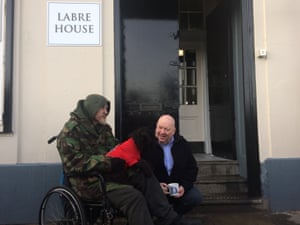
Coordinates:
243 215
235 215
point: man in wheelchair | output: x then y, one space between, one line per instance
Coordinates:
83 143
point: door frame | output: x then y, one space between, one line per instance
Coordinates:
118 77
251 129
249 89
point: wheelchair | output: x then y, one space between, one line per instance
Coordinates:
62 206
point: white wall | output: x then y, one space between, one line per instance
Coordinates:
277 77
48 81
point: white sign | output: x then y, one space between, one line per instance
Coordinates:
74 24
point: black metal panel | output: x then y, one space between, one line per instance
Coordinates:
118 77
146 9
148 79
8 88
253 166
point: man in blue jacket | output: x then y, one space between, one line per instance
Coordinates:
173 162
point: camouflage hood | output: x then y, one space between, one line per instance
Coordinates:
86 110
88 107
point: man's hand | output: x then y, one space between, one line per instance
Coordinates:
164 188
180 192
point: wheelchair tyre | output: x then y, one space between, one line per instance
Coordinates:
61 206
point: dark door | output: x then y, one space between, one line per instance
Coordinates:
148 73
220 82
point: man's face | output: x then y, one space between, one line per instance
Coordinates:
101 115
165 129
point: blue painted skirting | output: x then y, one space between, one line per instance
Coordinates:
22 188
281 183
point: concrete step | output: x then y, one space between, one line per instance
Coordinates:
222 185
230 199
218 168
219 181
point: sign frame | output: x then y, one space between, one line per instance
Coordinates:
74 24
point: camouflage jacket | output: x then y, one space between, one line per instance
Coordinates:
82 146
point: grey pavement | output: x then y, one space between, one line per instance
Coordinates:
243 215
237 215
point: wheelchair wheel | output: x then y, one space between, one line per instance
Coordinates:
61 206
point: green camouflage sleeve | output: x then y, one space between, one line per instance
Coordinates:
80 151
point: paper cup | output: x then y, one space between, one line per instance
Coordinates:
173 188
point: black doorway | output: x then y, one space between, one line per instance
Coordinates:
146 44
220 81
148 77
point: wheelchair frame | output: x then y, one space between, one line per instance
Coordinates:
62 206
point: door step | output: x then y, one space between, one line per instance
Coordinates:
222 189
220 183
230 199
